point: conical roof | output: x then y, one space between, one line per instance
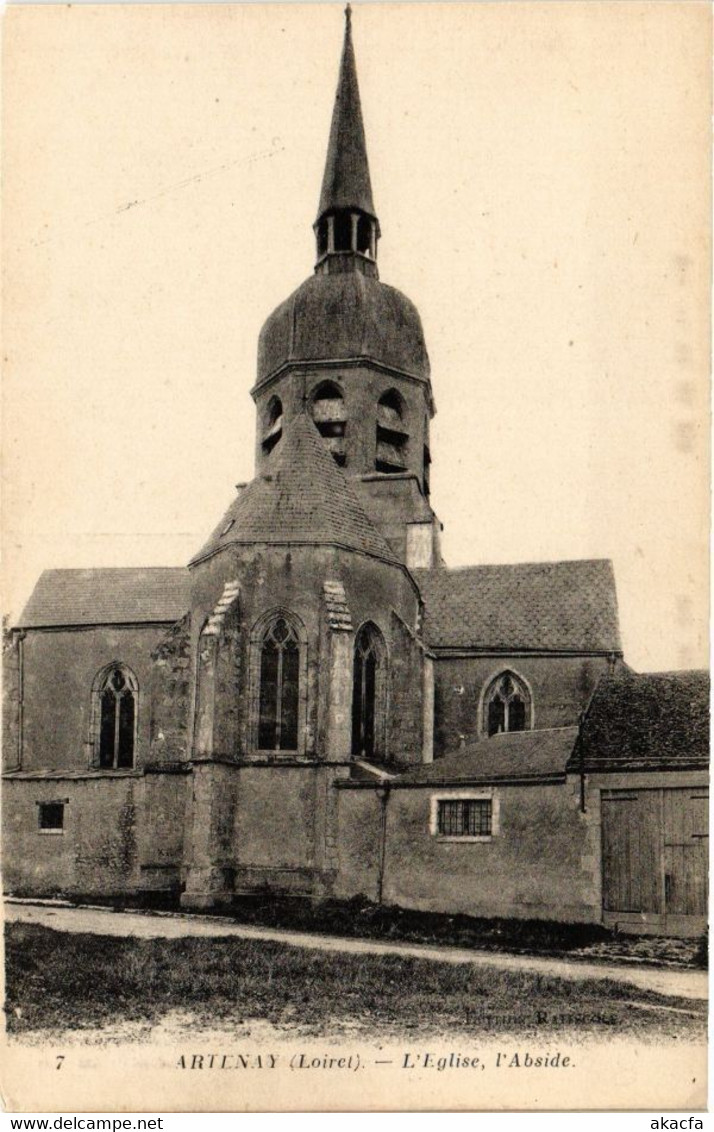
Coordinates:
346 182
302 498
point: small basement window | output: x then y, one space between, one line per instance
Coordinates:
50 817
459 818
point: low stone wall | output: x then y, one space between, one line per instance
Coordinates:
122 834
541 863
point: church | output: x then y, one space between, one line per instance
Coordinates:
316 705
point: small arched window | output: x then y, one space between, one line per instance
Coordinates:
392 435
507 705
369 693
328 413
115 712
273 425
279 698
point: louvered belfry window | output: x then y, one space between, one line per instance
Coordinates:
117 705
279 688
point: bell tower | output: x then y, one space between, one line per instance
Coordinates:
350 350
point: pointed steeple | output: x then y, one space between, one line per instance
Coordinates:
346 182
346 220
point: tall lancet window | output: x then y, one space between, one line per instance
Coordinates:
279 688
507 705
115 716
368 692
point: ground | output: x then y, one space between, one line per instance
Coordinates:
63 985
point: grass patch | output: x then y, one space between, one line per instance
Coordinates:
58 981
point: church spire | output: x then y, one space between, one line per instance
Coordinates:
346 221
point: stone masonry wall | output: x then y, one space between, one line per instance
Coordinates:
170 687
561 687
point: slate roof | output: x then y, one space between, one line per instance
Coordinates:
562 606
346 182
343 317
302 498
647 721
517 755
107 597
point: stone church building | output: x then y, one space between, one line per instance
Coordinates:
317 704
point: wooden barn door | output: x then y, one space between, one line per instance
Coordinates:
685 857
654 859
631 854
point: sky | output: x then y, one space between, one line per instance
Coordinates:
541 175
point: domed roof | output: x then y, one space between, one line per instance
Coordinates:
342 316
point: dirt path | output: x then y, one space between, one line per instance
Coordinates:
152 925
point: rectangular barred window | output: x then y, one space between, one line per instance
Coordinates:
464 817
50 817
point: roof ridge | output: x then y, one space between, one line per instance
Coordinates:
97 569
508 565
664 672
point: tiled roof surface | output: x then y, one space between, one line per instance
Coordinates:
570 606
302 498
107 597
647 721
518 755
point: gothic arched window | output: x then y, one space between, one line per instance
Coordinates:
506 705
368 693
279 698
115 703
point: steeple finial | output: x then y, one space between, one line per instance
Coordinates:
346 183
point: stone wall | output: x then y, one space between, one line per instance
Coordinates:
12 646
561 687
361 386
406 688
122 834
292 579
170 692
95 853
59 667
542 863
161 828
